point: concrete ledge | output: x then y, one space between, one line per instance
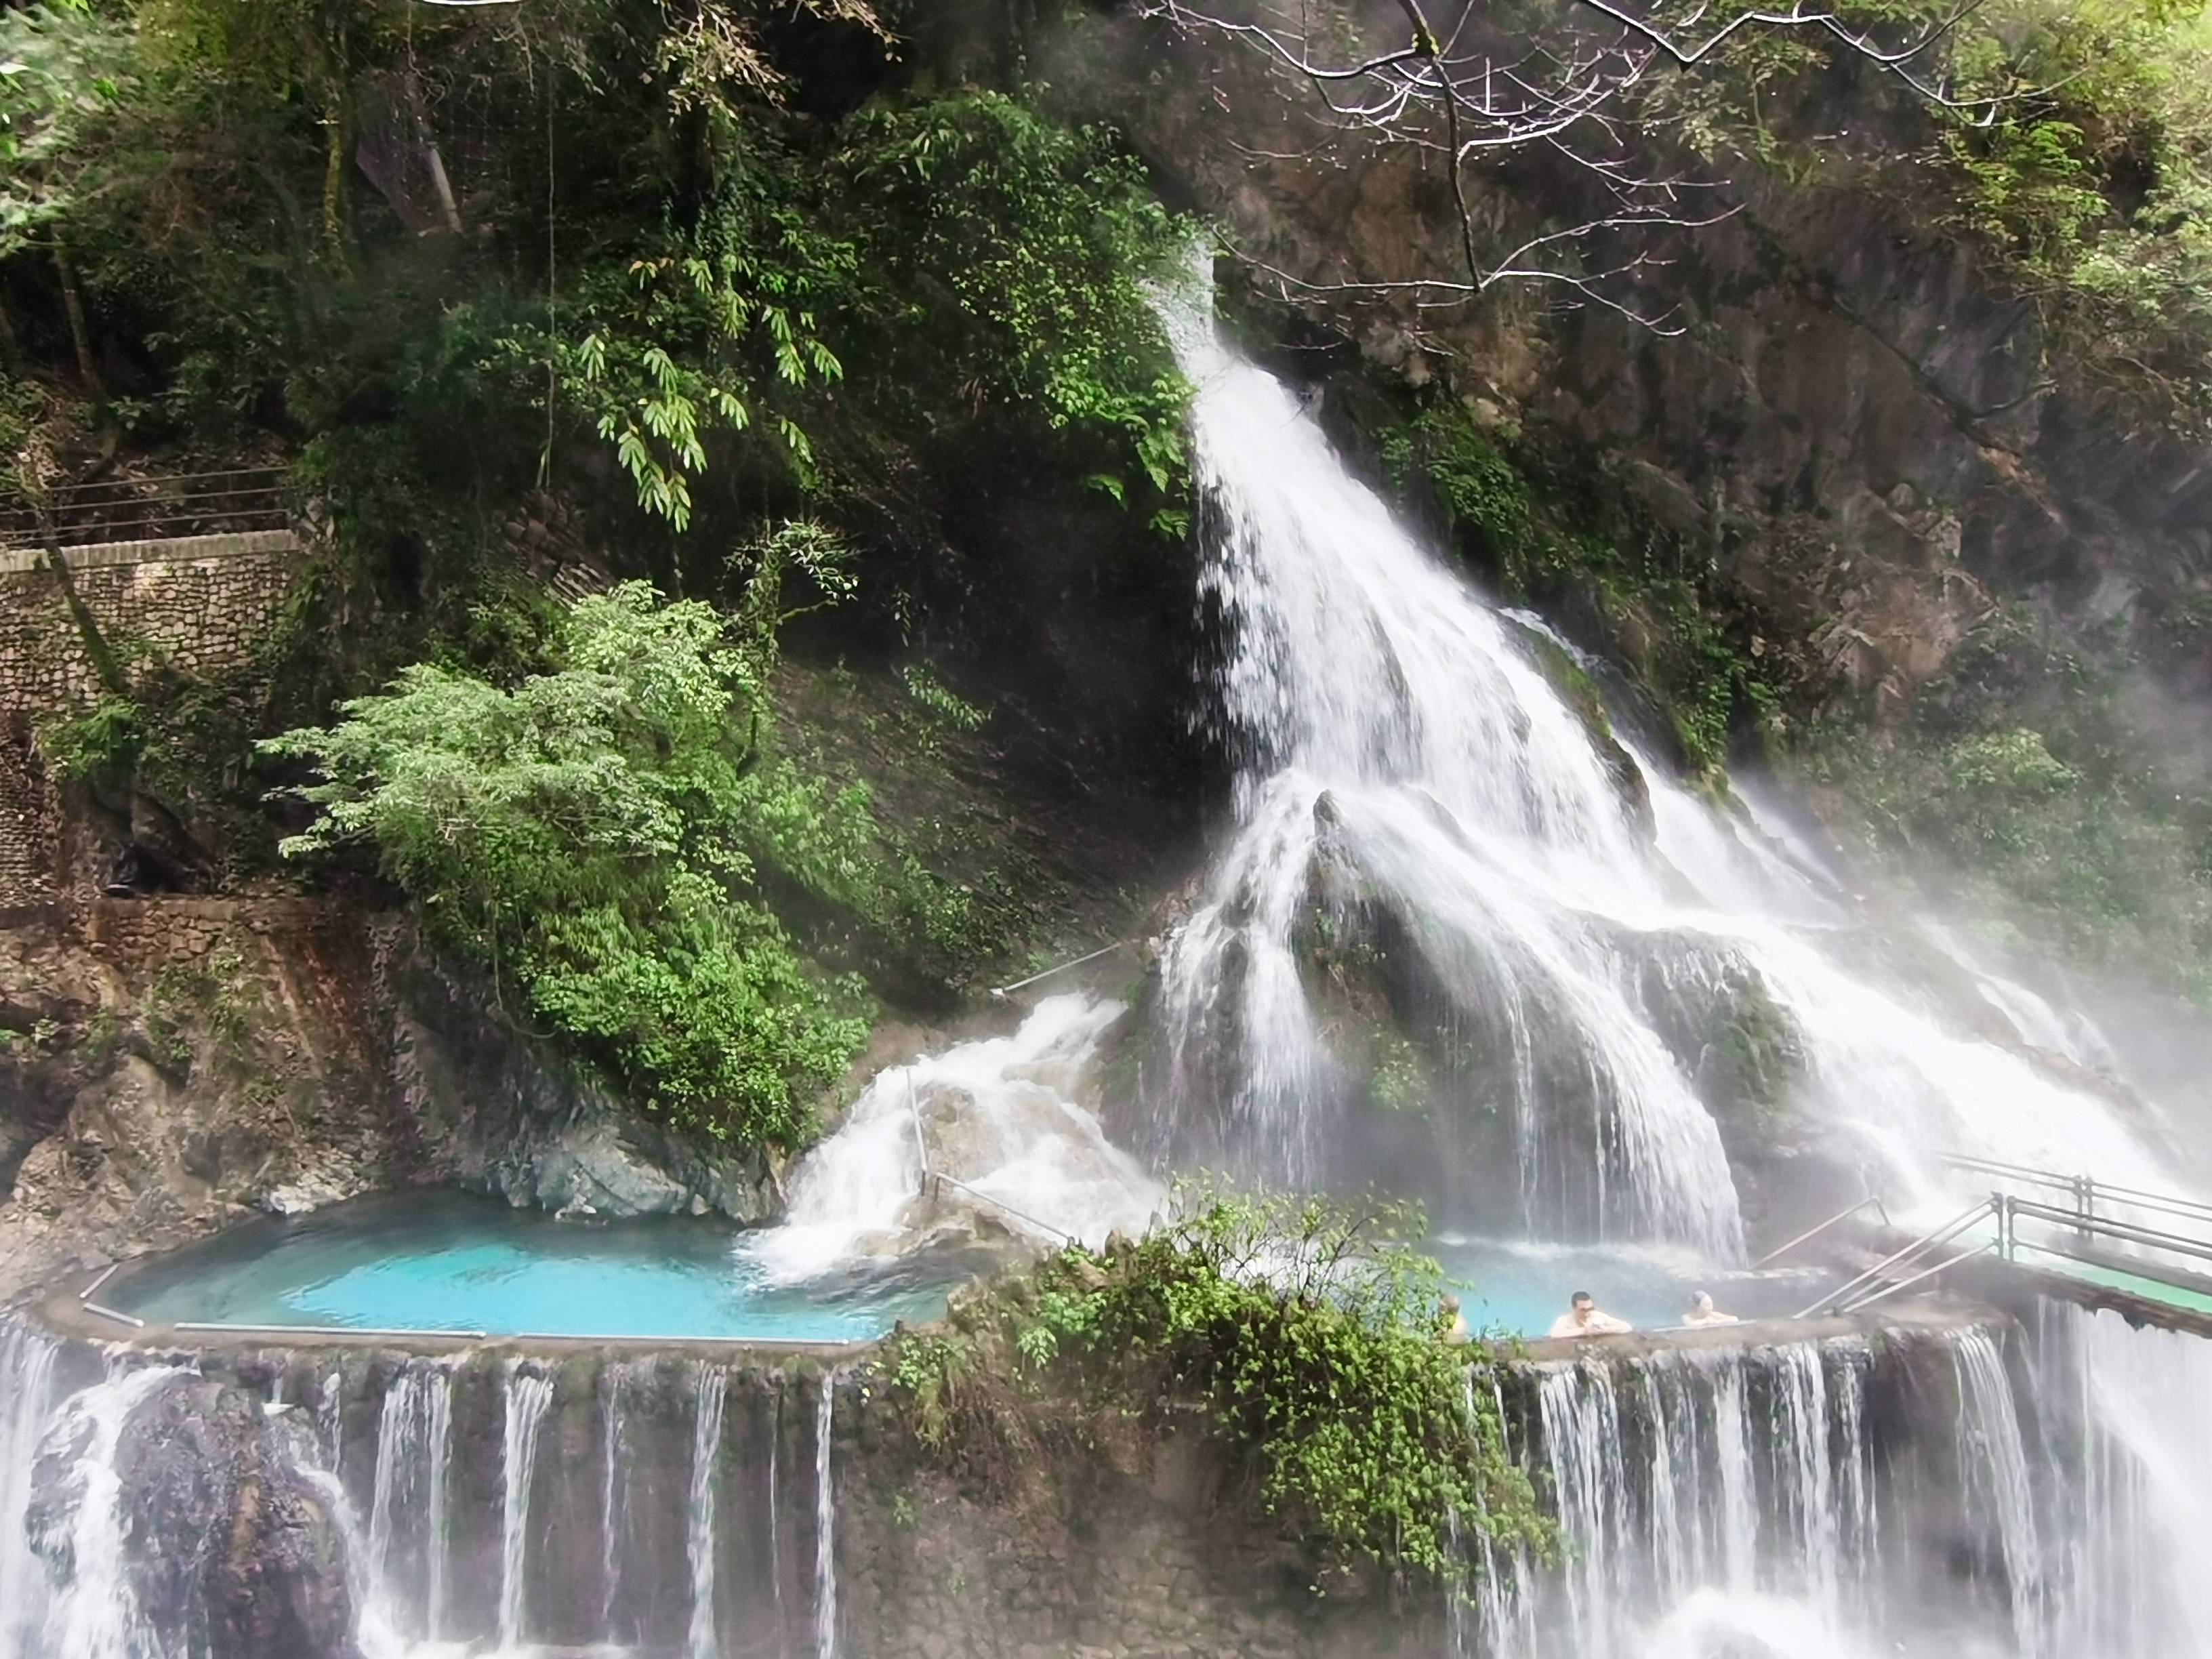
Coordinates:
1912 1313
172 549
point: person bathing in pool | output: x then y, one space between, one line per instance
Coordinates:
1584 1318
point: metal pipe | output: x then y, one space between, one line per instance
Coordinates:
110 1313
1941 1236
920 1141
1881 1291
106 1274
1041 1226
999 992
219 1327
1813 1232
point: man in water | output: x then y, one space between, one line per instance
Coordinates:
1702 1312
1582 1318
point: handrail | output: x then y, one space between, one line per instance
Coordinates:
1882 1291
1942 1235
1814 1232
930 1177
999 992
2085 1188
2074 1221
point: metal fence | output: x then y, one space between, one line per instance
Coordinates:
132 509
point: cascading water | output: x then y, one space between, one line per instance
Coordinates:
1398 745
699 1537
94 1613
825 1524
527 1397
27 1369
407 1530
613 1473
999 1126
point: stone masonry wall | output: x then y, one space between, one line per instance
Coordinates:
201 603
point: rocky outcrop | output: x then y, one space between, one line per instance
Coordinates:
233 1544
187 1522
178 1063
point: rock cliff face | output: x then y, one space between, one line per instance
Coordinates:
182 1062
1849 426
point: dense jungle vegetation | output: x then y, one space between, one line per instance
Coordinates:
737 293
451 259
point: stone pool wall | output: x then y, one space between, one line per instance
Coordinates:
677 1496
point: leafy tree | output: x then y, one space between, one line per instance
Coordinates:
599 833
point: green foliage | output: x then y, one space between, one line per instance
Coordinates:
700 332
943 703
1309 1333
1545 546
2093 182
1008 258
62 69
2036 779
601 832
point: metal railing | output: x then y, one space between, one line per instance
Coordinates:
932 1179
2078 1222
2085 1191
1866 1289
1813 1232
132 509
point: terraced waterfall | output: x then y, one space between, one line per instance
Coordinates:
1448 871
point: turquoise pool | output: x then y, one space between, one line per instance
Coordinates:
442 1260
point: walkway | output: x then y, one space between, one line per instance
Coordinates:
2147 1255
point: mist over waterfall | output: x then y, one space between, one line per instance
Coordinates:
1579 923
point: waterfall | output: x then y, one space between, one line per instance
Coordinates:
612 1426
93 1614
407 1514
1993 1467
1401 749
999 1116
2126 1433
825 1525
527 1397
699 1536
1659 1497
27 1370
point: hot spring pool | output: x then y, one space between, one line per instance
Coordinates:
1519 1288
442 1260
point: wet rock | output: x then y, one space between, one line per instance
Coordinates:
229 1546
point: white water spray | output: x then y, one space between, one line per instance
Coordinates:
1396 740
825 1524
527 1397
999 1122
407 1512
95 1612
27 1370
708 1384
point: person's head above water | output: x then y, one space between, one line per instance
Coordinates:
1581 1302
1449 1304
1702 1302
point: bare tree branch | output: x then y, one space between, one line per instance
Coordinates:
1566 94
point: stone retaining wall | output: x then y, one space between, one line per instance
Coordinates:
200 604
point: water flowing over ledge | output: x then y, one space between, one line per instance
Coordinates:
1930 1490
